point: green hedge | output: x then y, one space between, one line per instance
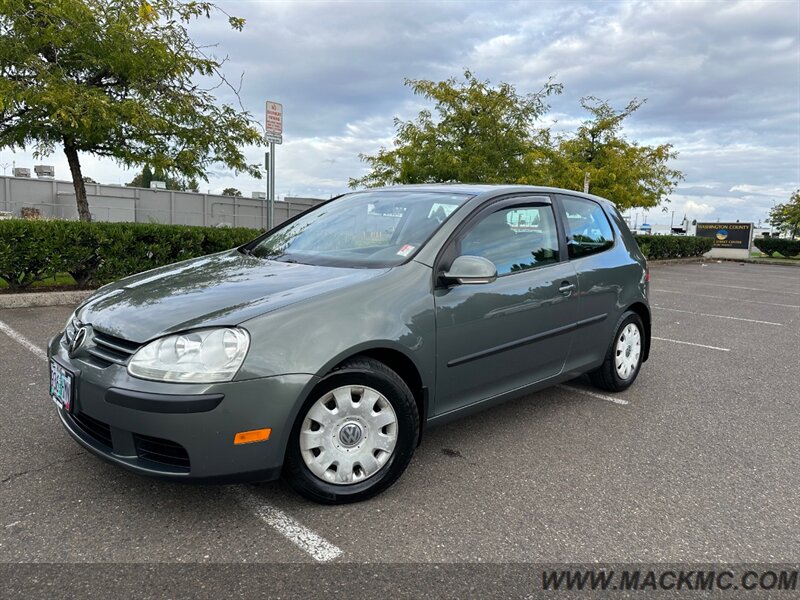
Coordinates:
96 253
771 245
673 246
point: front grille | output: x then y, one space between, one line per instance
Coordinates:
95 429
109 349
161 451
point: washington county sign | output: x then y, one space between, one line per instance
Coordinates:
735 236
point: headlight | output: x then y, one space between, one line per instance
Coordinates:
205 356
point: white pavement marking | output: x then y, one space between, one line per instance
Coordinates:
692 344
725 298
22 340
316 546
689 312
732 272
569 388
735 287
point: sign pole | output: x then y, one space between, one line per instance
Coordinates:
271 176
273 129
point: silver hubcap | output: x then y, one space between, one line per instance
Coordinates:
348 434
628 350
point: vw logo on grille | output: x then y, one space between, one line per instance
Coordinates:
75 344
350 434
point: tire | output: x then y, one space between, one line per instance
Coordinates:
372 414
613 377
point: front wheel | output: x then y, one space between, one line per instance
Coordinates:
624 357
354 435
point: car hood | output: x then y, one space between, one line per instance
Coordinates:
219 289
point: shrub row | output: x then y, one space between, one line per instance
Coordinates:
96 253
771 245
673 246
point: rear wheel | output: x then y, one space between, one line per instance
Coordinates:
354 436
624 357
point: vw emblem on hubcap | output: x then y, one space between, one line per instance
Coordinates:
75 344
350 435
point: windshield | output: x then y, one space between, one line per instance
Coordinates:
365 229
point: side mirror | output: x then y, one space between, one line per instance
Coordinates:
471 270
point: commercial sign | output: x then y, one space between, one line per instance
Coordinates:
735 236
273 124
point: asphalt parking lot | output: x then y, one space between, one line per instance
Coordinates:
698 462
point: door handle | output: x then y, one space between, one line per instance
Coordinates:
566 287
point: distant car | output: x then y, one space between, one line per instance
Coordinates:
322 349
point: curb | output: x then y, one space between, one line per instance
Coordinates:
67 298
670 261
762 261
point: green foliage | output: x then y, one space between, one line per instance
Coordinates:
119 79
481 135
231 191
770 245
96 253
486 134
786 217
147 176
24 256
673 246
600 156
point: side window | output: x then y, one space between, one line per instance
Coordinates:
587 227
514 239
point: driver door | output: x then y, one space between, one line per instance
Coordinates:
517 330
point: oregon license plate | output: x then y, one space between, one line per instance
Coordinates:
61 384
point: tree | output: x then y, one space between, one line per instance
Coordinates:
598 159
232 192
786 217
147 176
143 179
486 134
482 134
118 79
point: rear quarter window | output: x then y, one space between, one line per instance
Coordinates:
587 227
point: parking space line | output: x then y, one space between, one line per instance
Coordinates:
692 344
689 312
735 287
22 340
725 298
312 544
759 270
569 388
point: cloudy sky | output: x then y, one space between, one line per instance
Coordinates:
722 82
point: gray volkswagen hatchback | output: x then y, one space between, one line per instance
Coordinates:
322 349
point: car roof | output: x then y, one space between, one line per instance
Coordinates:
487 188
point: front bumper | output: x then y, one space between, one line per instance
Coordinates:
181 431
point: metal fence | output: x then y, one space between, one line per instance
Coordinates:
56 200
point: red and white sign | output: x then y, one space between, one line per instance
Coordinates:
274 122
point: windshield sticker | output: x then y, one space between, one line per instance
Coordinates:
405 250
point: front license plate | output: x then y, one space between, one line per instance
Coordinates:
61 386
